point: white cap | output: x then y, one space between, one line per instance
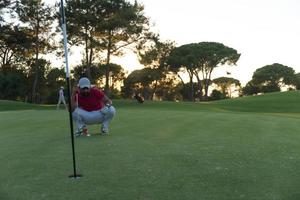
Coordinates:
84 83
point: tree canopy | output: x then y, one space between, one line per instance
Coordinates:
226 83
37 19
143 81
200 59
271 78
105 27
102 30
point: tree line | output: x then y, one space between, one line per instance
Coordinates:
30 31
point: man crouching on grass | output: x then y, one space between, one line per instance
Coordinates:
91 106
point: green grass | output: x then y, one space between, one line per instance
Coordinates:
246 148
15 105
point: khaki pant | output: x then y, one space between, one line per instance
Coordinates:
61 100
83 117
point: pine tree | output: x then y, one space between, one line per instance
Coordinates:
37 18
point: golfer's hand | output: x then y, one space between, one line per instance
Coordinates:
105 109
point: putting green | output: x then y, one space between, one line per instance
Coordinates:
246 148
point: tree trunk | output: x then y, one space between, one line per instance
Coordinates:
112 83
91 56
154 90
88 64
36 65
223 88
4 57
229 91
182 82
208 77
107 65
200 93
191 95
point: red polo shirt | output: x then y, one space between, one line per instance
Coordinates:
92 102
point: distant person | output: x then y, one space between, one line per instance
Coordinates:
61 98
91 106
139 98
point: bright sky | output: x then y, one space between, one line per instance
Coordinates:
263 31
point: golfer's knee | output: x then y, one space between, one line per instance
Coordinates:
112 111
74 115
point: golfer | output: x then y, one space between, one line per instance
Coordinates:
61 98
91 106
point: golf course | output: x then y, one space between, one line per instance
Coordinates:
243 148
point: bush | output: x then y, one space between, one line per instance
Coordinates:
12 85
115 94
216 95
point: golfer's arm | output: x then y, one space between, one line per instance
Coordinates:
73 102
106 100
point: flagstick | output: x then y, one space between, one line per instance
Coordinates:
74 175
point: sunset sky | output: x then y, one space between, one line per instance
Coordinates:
263 31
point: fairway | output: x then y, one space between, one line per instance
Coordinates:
246 148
